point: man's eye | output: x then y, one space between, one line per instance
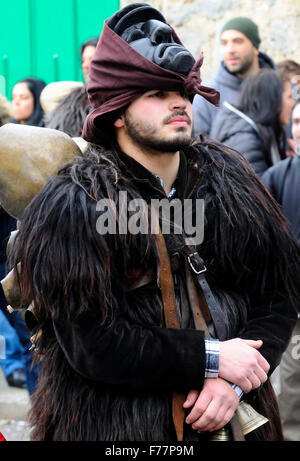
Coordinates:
157 94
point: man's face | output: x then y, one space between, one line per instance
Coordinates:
159 120
296 123
238 52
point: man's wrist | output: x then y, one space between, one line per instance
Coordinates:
238 390
212 350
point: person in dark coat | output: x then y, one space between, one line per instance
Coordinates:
26 106
118 332
255 127
283 181
241 57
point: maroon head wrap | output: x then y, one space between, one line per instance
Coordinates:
119 75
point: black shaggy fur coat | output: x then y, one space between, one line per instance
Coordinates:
109 365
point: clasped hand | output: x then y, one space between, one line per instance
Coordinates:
240 363
213 406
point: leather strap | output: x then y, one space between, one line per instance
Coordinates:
197 303
165 280
201 313
208 301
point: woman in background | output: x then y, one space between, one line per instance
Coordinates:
26 107
255 127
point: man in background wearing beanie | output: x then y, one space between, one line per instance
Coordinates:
239 44
149 335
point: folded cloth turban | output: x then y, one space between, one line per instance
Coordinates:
119 74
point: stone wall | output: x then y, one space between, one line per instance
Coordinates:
198 23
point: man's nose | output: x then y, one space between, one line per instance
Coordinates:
177 102
229 48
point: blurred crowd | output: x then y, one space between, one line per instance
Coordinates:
61 106
259 116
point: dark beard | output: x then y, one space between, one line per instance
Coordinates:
244 67
145 136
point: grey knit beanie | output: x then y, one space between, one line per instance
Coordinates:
246 26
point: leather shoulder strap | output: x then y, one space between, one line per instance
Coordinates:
165 281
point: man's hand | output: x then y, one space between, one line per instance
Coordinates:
213 406
241 363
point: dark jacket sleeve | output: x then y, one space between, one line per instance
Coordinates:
267 179
235 132
277 179
131 355
271 319
249 145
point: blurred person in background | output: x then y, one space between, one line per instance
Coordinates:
55 92
17 365
12 365
283 181
5 110
290 70
69 115
240 42
255 127
26 106
87 51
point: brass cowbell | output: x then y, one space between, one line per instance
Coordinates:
249 420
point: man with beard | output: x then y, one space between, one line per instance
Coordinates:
239 46
152 336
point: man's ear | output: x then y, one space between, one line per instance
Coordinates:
119 122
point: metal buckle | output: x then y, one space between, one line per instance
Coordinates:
192 265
